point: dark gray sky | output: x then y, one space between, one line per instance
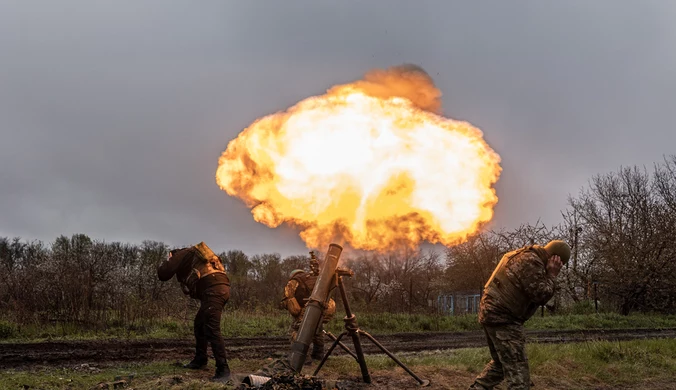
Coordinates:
113 114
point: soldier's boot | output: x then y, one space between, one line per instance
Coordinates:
222 373
317 351
477 386
195 364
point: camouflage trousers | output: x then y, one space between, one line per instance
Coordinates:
507 344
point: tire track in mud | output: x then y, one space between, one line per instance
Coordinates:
64 353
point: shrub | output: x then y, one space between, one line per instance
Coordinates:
7 330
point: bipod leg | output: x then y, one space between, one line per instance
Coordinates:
340 344
326 355
423 382
353 330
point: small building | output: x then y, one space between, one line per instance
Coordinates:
458 303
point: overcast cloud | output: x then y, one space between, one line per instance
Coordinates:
113 114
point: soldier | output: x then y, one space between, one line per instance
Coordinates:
522 281
296 293
202 276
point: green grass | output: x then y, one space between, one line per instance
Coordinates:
275 323
602 364
602 321
145 376
567 366
618 363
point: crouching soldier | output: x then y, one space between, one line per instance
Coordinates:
296 294
202 276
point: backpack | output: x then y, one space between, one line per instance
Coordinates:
204 262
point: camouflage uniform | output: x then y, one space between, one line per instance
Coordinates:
297 291
318 339
519 285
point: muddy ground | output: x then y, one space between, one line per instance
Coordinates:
60 353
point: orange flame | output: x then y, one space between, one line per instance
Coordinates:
368 164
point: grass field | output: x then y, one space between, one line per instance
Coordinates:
276 323
597 365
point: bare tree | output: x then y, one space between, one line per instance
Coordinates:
628 237
239 269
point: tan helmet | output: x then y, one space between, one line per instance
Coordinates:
560 248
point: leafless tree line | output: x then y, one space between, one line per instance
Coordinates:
622 228
80 280
95 283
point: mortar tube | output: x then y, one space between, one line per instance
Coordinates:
314 308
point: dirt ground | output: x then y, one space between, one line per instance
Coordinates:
440 378
456 380
31 355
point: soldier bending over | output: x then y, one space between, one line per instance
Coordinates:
202 276
522 281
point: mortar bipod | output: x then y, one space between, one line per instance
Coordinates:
352 329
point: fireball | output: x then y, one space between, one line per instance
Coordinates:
371 164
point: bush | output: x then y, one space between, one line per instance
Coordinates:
583 307
7 330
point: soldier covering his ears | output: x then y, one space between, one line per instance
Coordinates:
522 281
202 276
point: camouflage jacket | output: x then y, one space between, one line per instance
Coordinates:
296 293
517 287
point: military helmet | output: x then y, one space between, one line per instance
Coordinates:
560 248
295 272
